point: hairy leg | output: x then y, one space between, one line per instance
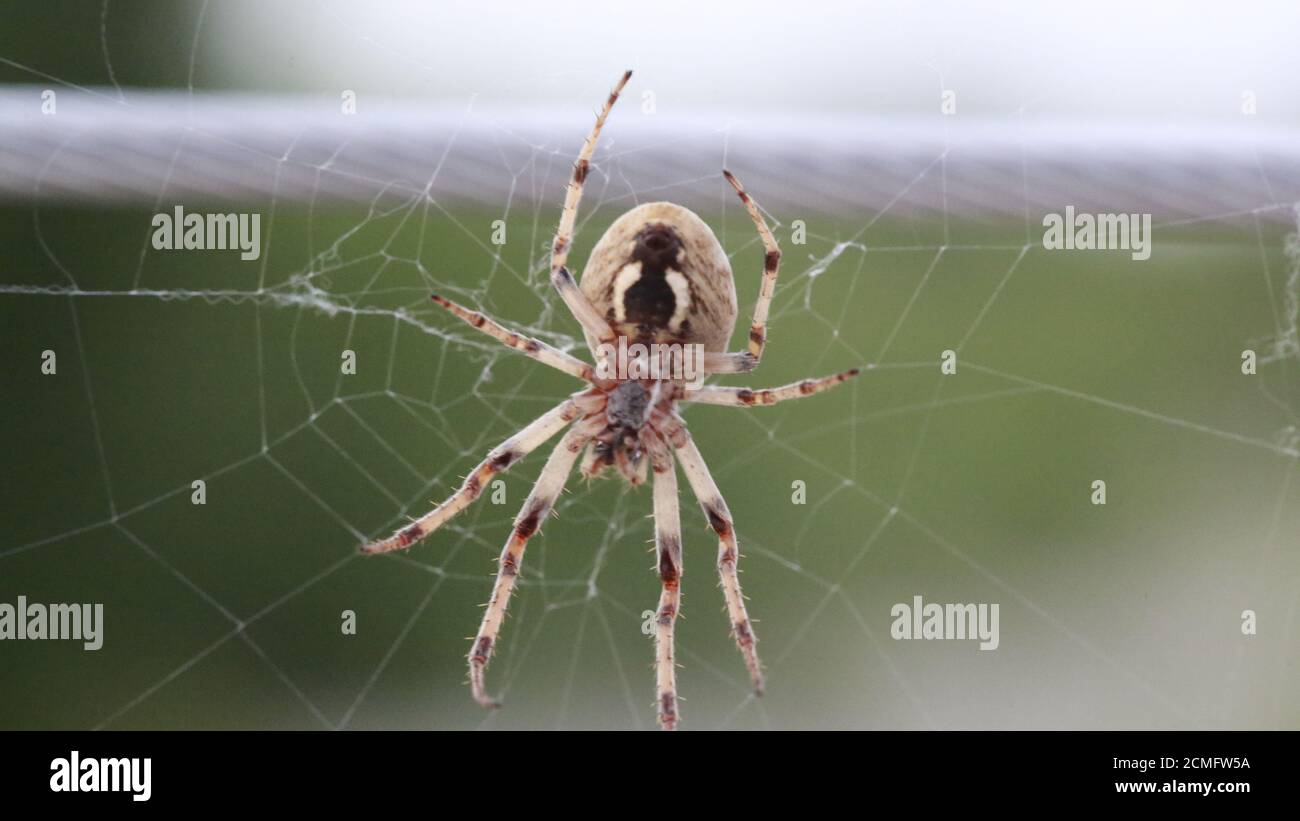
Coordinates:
586 314
539 503
715 509
747 360
499 460
746 397
534 348
668 552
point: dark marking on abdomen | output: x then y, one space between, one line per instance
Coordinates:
650 301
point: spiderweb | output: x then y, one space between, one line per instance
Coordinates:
969 488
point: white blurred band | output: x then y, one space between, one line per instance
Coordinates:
173 147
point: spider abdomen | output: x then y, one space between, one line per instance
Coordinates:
659 274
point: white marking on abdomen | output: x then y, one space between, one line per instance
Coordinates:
627 276
681 298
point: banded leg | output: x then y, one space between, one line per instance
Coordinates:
501 458
586 314
747 360
668 551
715 508
597 330
564 233
539 503
744 397
533 348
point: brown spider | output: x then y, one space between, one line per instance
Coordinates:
658 275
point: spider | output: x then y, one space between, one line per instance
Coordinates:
658 275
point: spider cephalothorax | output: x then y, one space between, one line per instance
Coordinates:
628 436
657 277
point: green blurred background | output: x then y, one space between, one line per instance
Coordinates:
1074 367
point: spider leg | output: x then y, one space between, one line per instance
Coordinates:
586 314
502 457
593 324
745 397
533 348
668 550
747 360
539 503
715 509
